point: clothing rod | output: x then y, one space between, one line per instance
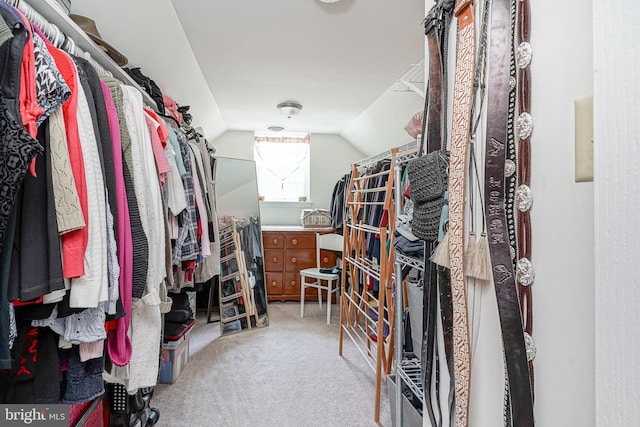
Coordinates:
47 13
384 155
58 38
406 156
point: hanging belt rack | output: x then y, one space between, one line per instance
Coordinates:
68 36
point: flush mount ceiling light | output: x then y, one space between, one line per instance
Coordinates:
289 108
328 1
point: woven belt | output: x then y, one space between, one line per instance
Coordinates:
462 95
499 248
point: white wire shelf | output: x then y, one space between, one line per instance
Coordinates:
409 371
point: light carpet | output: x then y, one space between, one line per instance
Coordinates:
286 374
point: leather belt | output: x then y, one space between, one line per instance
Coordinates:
525 126
429 342
511 182
446 311
437 24
462 95
501 259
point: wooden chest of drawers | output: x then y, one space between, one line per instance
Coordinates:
287 250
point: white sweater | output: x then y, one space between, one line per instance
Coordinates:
91 289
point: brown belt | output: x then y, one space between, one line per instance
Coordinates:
524 271
501 259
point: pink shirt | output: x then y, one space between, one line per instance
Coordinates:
156 145
118 341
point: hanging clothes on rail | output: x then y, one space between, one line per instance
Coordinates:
338 200
102 203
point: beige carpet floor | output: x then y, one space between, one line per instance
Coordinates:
286 374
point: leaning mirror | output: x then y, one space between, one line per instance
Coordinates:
241 289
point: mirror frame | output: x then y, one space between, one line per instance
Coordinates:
223 215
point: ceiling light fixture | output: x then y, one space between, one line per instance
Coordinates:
328 1
275 128
289 108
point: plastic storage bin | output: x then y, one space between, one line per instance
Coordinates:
175 356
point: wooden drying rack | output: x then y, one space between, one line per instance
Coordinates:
363 315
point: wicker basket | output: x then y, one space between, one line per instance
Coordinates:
311 218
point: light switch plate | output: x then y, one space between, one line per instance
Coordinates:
584 138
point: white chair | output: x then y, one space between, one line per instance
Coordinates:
321 281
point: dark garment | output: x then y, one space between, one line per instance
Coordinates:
149 86
5 265
93 90
100 120
86 88
34 376
375 212
84 379
34 311
36 263
338 203
64 307
413 249
17 148
11 155
11 60
249 235
139 238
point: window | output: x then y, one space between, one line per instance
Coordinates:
282 162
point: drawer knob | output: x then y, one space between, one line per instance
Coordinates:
275 259
274 283
275 241
293 283
294 241
294 260
325 259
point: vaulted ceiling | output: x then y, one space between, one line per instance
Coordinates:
234 61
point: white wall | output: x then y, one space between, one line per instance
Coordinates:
562 230
331 158
234 144
616 152
149 34
381 126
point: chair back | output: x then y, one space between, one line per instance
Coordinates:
330 242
